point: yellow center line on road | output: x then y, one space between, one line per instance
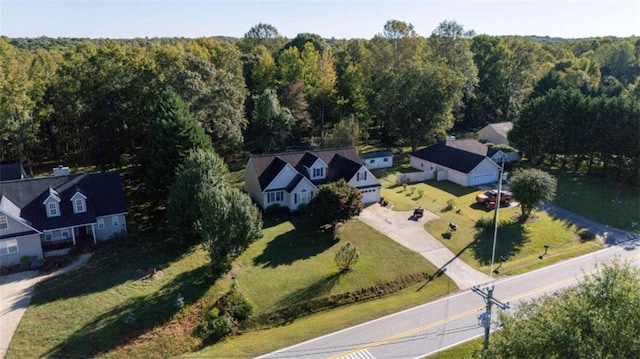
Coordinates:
458 316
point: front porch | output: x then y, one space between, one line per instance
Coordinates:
61 241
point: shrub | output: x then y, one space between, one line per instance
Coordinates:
451 204
346 257
421 192
586 235
215 326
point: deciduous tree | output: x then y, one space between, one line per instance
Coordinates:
335 202
598 318
530 187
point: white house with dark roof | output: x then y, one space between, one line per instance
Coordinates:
290 179
456 162
46 214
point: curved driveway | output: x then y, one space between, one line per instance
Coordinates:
399 226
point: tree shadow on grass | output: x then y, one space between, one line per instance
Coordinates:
319 288
112 264
305 241
512 236
126 322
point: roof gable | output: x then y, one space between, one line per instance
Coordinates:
268 166
450 157
104 192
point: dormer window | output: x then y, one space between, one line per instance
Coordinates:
78 206
318 172
52 209
79 203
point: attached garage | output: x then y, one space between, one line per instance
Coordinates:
370 195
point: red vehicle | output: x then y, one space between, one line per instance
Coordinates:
490 197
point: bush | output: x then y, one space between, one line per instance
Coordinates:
215 326
346 257
451 204
586 235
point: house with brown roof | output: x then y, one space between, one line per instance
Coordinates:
496 133
290 179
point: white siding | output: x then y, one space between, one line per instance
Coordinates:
283 178
378 162
251 184
109 229
27 246
318 164
14 226
485 172
304 185
369 196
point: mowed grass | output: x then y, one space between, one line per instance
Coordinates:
106 304
105 308
601 200
519 244
273 274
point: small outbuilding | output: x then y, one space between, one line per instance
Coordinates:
374 160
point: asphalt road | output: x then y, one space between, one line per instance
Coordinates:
432 327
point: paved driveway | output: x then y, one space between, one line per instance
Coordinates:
399 226
15 295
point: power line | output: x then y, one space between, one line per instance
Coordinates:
485 318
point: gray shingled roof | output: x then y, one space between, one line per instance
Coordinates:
451 157
11 171
104 192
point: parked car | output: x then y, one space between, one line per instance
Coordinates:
490 197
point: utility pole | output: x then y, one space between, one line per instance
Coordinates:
485 318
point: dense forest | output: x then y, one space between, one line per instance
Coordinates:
574 103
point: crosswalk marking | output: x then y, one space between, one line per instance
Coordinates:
361 354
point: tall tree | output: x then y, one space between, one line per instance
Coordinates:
173 133
598 318
271 125
262 34
200 171
230 223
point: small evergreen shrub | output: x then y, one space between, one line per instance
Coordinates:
483 223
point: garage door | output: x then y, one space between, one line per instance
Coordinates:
370 195
482 178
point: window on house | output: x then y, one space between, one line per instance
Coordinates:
372 161
8 247
115 221
274 197
52 209
304 196
78 206
56 234
386 159
318 172
362 176
100 223
4 222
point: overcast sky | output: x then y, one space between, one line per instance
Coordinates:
329 18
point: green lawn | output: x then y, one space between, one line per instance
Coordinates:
464 350
86 313
606 202
519 244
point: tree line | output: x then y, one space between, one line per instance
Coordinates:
265 92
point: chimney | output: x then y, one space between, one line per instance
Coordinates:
61 171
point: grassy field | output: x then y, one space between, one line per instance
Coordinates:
107 308
519 244
606 202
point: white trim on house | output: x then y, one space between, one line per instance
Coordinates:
5 248
53 209
4 222
79 203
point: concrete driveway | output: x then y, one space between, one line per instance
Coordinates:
15 295
399 226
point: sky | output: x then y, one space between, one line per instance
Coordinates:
344 19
